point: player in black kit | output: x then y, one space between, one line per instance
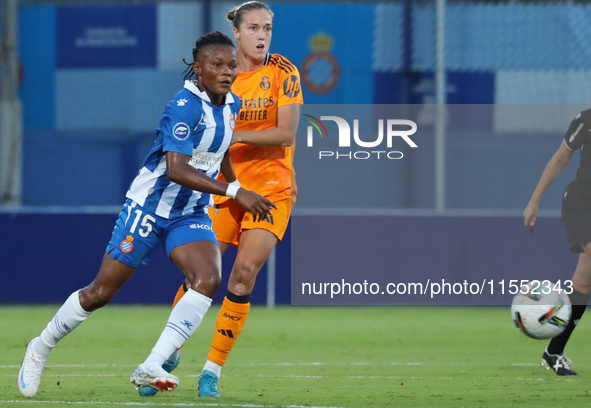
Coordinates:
576 217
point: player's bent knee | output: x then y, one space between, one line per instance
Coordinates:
95 297
205 282
214 282
246 270
243 278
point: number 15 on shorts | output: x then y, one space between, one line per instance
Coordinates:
145 226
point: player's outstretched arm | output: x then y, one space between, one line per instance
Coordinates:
552 170
288 117
181 172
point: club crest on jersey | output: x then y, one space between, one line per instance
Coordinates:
180 131
127 245
232 121
265 84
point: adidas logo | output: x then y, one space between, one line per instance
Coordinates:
227 333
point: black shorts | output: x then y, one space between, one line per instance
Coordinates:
576 215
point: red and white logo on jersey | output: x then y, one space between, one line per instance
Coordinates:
232 121
127 244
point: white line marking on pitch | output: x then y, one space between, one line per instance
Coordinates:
280 365
353 377
242 365
152 404
334 363
76 375
77 365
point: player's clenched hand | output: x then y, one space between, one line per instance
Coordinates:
257 205
529 215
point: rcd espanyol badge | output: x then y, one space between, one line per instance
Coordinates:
232 121
127 244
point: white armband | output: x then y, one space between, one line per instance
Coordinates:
232 189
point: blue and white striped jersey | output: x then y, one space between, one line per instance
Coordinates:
191 125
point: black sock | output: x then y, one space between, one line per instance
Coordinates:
238 299
579 304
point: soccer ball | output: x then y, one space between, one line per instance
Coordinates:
541 310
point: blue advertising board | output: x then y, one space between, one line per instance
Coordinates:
423 260
106 36
68 248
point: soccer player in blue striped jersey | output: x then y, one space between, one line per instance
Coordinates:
166 203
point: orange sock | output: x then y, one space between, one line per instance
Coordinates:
228 327
181 292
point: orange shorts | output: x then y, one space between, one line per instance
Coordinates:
230 219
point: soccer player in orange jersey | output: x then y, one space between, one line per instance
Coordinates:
270 90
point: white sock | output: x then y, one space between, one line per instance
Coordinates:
175 356
213 367
184 319
67 318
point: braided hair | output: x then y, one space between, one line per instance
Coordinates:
213 38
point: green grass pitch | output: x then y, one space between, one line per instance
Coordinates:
292 357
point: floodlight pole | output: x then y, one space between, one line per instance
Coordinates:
206 16
441 111
10 109
271 278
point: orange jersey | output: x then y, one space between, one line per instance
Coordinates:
266 170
